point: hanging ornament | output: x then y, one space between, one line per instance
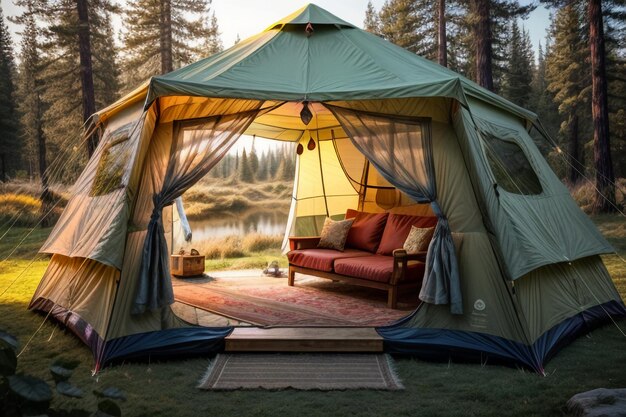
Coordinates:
311 145
305 113
308 29
299 149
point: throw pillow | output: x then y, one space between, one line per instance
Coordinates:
334 234
418 239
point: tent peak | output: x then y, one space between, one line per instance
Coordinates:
313 14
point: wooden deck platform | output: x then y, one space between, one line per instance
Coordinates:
304 339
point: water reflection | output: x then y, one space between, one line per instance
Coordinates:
220 225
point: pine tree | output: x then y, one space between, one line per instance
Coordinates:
604 201
213 42
542 100
597 14
442 37
61 89
485 24
519 71
245 171
263 171
10 146
616 70
567 80
162 36
286 167
31 108
274 163
83 30
253 160
106 61
402 23
371 23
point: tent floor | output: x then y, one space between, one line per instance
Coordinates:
312 337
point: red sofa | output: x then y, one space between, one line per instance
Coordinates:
373 256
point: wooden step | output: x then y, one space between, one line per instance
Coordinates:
304 339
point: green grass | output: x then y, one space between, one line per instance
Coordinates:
252 261
432 389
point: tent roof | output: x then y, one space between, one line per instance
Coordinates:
310 14
338 61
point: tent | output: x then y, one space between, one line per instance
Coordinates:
387 129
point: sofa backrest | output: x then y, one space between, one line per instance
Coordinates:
397 229
382 233
366 231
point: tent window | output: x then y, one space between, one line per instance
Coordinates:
511 167
113 162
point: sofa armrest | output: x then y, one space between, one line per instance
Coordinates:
400 268
303 242
400 254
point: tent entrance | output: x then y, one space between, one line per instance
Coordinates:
328 176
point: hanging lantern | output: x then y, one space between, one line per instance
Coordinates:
299 149
311 145
305 113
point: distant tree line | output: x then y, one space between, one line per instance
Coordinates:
69 66
576 83
277 164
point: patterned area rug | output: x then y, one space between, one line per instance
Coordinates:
301 371
263 301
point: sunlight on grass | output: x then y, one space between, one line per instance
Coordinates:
433 389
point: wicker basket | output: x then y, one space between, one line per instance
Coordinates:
187 265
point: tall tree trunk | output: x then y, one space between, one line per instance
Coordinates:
484 73
86 69
3 172
442 55
167 64
573 175
46 196
604 200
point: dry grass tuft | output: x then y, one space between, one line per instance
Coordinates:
256 242
218 196
231 247
19 209
584 193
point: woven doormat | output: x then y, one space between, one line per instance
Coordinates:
324 372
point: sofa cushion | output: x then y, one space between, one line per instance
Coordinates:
397 229
321 259
376 268
366 230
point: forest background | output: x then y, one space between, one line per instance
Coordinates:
71 61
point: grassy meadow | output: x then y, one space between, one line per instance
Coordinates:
432 389
213 196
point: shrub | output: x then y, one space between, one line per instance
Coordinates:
232 248
238 203
584 194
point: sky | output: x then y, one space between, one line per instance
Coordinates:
248 17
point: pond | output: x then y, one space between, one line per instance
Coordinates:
221 225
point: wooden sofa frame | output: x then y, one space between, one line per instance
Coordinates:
400 269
